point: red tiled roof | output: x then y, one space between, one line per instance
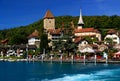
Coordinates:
94 46
54 31
77 39
5 41
48 14
112 31
34 34
85 30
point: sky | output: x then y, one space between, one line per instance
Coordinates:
15 13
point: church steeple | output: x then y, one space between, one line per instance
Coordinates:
80 22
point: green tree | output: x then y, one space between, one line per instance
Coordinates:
100 22
17 39
44 42
109 41
91 40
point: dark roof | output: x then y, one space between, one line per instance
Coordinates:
94 46
32 46
23 46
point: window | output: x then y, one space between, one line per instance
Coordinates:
115 38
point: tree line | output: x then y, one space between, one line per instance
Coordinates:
19 35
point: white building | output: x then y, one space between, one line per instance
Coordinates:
55 34
113 35
33 39
82 32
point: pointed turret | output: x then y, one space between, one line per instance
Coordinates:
48 14
80 22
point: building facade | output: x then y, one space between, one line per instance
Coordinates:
80 31
33 39
49 21
112 35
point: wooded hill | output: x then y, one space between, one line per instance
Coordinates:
102 23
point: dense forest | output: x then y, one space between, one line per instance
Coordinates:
102 23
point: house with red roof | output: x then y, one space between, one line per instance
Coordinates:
114 35
80 31
34 39
5 41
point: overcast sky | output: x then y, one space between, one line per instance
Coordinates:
15 13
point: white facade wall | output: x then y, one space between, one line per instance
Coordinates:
114 37
32 41
98 35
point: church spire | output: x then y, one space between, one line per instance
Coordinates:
80 22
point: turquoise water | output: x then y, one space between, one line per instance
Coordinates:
37 71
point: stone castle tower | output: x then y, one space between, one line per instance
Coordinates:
49 20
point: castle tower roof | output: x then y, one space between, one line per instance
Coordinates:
48 14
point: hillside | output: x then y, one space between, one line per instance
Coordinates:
19 35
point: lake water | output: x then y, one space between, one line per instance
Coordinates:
37 71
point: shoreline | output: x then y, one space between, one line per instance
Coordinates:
54 61
60 61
